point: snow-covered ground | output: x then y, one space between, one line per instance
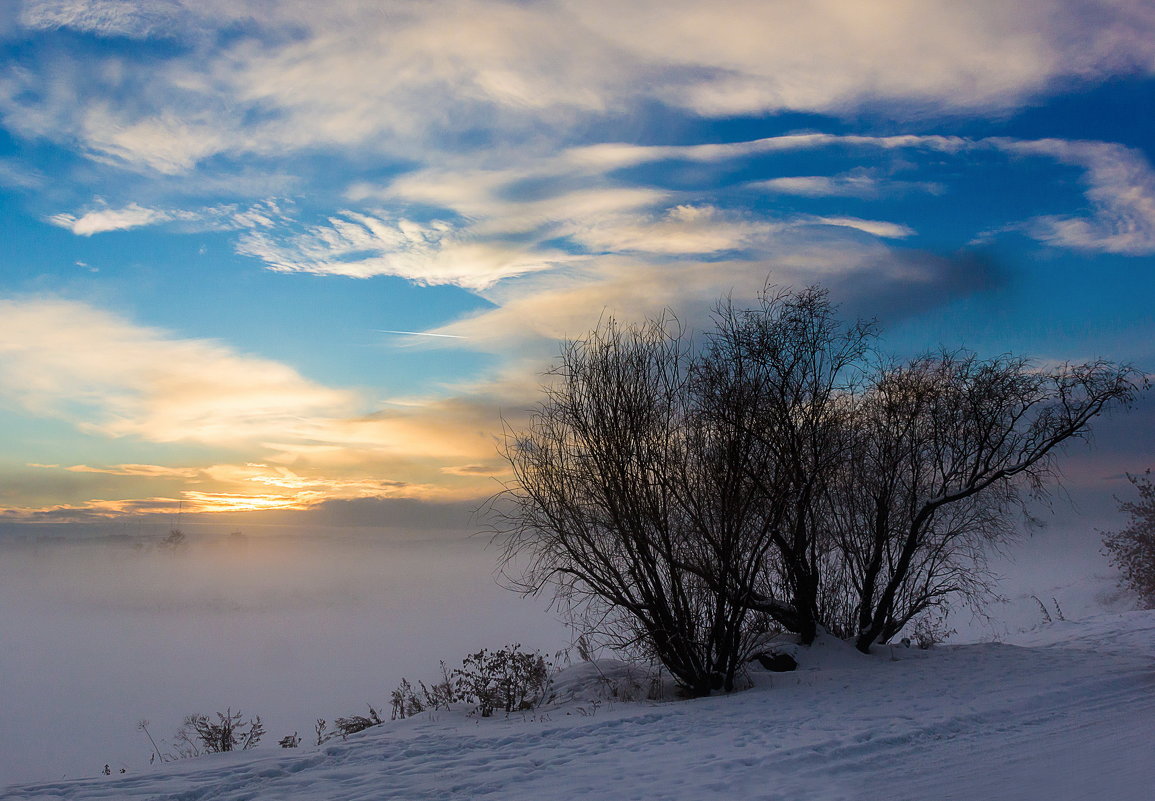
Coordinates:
1063 711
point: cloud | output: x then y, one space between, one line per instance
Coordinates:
104 17
408 79
358 245
102 220
135 470
685 229
223 217
856 183
879 228
15 174
484 226
1120 187
73 361
476 470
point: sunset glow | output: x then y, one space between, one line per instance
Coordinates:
275 256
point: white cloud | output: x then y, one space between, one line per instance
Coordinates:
682 230
1120 186
879 228
226 217
134 470
405 77
103 17
101 220
859 183
360 245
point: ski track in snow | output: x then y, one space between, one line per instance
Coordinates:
1067 713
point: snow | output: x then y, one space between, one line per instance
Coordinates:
1061 711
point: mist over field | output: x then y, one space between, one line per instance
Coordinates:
102 633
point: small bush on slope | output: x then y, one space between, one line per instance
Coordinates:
1132 549
507 679
227 733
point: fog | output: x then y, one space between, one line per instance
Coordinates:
99 634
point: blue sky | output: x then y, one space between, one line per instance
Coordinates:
213 213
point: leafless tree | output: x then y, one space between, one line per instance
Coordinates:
598 508
783 377
946 445
781 470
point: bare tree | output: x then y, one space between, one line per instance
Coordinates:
1132 549
785 375
782 470
946 445
599 507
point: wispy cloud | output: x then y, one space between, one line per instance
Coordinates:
879 228
101 220
420 334
225 217
858 183
358 245
1120 187
134 470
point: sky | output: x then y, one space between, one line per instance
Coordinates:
297 262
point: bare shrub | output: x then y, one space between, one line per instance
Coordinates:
343 727
405 701
509 679
1132 548
229 732
439 695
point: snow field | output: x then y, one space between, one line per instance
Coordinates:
1065 712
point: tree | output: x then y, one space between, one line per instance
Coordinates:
598 507
1132 549
779 469
945 446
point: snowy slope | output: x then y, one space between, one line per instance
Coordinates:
1066 711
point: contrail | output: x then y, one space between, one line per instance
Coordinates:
421 334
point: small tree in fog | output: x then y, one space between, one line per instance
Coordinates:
1132 549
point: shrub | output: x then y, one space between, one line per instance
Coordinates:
405 701
783 465
352 724
509 679
930 629
322 730
1132 549
440 695
225 734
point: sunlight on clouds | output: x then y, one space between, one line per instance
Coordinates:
860 183
106 17
70 360
171 143
362 246
138 470
685 229
403 77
